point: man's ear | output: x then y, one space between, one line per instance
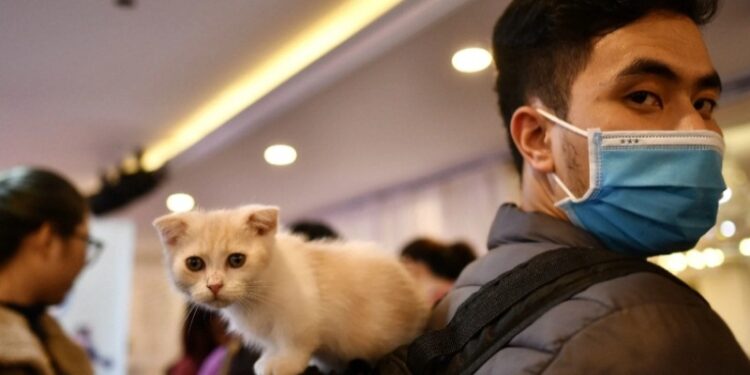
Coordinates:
532 135
172 228
262 220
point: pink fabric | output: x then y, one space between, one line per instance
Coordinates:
213 363
185 366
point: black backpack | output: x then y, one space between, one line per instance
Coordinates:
502 308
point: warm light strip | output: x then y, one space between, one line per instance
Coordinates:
312 44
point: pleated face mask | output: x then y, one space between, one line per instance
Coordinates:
650 192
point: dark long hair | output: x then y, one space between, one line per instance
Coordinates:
443 260
199 336
30 197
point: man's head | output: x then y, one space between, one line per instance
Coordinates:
613 65
541 47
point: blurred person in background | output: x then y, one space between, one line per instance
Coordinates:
436 265
44 237
203 332
313 230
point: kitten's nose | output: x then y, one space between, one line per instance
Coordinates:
215 288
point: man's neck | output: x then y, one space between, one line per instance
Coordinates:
537 195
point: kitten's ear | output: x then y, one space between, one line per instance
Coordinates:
171 228
263 220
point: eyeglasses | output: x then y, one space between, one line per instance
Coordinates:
93 249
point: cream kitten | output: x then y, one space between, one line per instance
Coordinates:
329 301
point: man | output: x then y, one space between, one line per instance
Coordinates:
571 72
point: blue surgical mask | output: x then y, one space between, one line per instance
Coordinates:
650 192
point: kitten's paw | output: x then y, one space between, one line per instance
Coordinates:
260 366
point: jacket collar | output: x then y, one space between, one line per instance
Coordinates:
512 225
18 345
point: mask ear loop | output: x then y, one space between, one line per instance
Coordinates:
562 186
569 127
566 125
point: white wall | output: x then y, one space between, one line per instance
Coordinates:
100 299
451 206
157 314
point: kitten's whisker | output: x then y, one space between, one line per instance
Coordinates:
257 283
194 310
187 314
255 298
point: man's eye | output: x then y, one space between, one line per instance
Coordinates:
706 107
645 98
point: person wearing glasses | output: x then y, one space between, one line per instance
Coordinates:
44 245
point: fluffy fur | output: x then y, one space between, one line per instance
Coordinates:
296 300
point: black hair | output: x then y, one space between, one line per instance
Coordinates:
313 230
443 260
200 332
540 46
30 197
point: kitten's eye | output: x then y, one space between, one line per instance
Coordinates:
236 260
194 263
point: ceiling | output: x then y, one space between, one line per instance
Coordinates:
83 83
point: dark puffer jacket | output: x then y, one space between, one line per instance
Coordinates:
637 324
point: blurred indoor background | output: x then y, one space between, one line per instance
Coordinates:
140 100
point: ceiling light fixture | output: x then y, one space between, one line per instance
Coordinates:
728 229
695 259
471 60
180 202
280 155
674 263
311 44
745 247
713 257
726 196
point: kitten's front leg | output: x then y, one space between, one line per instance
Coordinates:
286 362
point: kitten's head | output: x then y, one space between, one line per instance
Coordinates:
217 257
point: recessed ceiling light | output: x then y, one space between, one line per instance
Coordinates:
695 259
728 229
471 60
726 196
280 155
674 263
180 202
745 247
713 257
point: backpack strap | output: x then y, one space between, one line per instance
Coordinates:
504 307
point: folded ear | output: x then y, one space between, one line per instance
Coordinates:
171 228
263 220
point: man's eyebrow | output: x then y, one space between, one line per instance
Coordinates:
660 69
710 81
648 67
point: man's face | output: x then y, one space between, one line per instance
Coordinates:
654 74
